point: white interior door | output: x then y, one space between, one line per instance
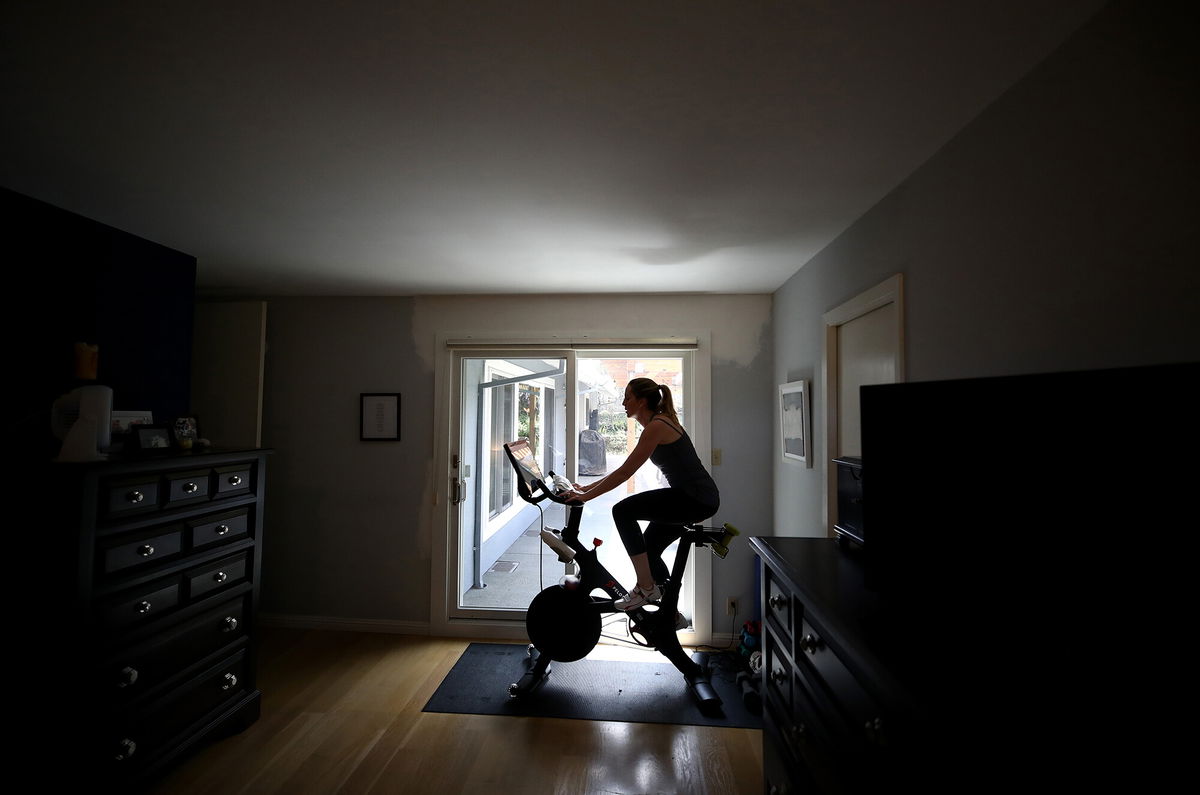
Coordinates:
864 344
867 354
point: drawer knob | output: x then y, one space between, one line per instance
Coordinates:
230 681
125 749
144 607
797 731
779 675
778 601
146 550
129 675
231 624
190 488
222 529
220 576
810 643
135 496
235 480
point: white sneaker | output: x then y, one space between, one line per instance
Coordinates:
637 598
565 553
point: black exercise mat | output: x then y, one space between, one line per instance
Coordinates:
615 690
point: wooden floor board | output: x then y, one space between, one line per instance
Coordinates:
342 714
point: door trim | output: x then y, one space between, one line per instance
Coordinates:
442 622
889 291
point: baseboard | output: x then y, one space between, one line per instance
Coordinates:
336 624
460 628
723 639
465 628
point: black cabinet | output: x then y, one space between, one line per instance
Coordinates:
159 561
1003 666
833 717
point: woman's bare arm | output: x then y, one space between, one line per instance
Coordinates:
652 436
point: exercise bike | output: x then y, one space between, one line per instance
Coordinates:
564 620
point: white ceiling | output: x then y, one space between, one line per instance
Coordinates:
495 147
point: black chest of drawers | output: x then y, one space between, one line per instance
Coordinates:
155 571
835 720
1007 663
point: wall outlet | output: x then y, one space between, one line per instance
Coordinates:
731 606
716 456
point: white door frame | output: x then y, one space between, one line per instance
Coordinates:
443 554
886 292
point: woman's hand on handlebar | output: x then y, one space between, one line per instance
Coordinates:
576 494
579 494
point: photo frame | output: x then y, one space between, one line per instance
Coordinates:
186 428
795 422
151 438
123 421
379 416
187 432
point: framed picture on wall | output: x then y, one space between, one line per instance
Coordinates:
379 417
794 422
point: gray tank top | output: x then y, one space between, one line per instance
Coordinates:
680 465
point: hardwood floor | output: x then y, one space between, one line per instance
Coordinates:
342 714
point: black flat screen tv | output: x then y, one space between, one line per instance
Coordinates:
1028 542
983 478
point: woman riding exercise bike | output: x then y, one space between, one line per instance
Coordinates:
564 620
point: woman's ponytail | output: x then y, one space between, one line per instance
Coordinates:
667 405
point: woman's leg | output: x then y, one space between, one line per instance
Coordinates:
626 514
659 536
643 571
666 510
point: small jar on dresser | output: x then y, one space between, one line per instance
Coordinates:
151 584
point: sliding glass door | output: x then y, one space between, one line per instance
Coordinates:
567 404
502 398
606 437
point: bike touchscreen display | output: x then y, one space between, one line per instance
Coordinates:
525 461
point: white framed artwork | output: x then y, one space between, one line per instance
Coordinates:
794 422
379 416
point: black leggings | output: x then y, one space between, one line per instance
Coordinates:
667 510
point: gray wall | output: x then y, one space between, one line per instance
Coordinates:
741 429
351 524
1057 231
343 515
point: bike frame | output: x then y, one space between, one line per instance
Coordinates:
564 620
